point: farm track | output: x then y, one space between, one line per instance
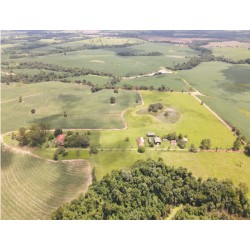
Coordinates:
197 93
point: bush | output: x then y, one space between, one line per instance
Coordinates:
141 149
51 137
112 99
57 132
55 157
93 150
205 144
64 153
33 111
236 145
155 107
193 149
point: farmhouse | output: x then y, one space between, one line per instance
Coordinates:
157 140
150 134
173 143
60 140
140 141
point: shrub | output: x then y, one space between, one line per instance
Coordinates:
55 157
205 144
141 149
112 99
93 150
193 149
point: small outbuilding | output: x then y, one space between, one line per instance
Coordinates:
60 140
140 141
173 143
151 134
150 140
157 140
184 139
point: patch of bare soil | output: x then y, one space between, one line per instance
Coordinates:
168 115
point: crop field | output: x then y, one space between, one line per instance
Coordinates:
226 88
32 188
106 60
169 80
232 53
50 100
234 166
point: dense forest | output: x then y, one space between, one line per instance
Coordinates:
149 189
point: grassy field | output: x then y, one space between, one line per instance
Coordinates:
235 166
52 99
195 121
227 90
33 188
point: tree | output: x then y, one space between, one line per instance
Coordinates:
22 137
236 145
20 99
112 100
205 144
93 150
55 157
141 149
193 149
58 131
247 149
33 111
36 135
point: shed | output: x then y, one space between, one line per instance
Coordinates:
173 143
140 141
150 140
60 140
157 140
150 134
184 139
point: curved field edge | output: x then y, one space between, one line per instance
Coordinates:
32 188
51 100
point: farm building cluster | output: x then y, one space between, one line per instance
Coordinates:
154 139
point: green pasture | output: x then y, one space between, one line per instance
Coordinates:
233 53
32 188
195 121
235 166
51 99
170 80
226 88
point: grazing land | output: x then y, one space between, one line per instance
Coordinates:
32 188
226 89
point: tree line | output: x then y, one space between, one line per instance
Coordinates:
205 55
149 189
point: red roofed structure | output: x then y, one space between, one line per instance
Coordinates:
60 140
